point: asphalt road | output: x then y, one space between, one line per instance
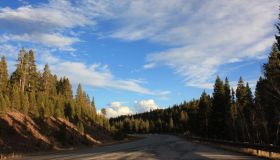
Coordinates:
151 147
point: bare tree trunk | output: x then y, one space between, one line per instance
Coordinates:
277 134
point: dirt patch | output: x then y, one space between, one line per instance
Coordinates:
20 133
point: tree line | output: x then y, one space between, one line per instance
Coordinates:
235 115
42 94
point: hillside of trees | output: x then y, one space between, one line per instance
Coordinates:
228 114
44 97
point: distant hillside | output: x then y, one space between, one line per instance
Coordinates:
20 133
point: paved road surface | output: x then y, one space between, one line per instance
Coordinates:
151 147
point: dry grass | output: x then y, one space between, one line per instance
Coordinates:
20 133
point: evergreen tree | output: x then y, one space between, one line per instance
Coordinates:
32 74
262 103
234 116
4 77
32 103
19 76
15 98
79 100
48 82
24 106
170 124
3 103
217 122
183 120
268 93
241 102
33 107
64 88
228 110
204 108
93 106
59 108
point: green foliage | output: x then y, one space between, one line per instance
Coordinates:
267 110
24 103
4 77
80 127
15 98
42 95
218 119
204 110
3 103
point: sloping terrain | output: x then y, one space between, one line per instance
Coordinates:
20 133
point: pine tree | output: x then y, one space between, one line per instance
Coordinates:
24 107
262 103
32 74
48 82
170 124
33 108
79 100
241 102
59 108
183 120
93 106
234 115
64 88
3 103
147 126
217 121
204 108
19 76
4 77
272 71
15 98
250 114
227 110
268 92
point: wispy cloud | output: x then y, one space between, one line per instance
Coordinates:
149 65
50 40
48 24
202 35
95 75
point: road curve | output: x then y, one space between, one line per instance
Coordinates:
153 146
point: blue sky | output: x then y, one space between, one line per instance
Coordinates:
133 56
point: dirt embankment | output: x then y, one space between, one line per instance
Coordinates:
21 134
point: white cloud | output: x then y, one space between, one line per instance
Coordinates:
115 109
145 105
149 65
95 75
202 35
48 24
9 50
50 40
